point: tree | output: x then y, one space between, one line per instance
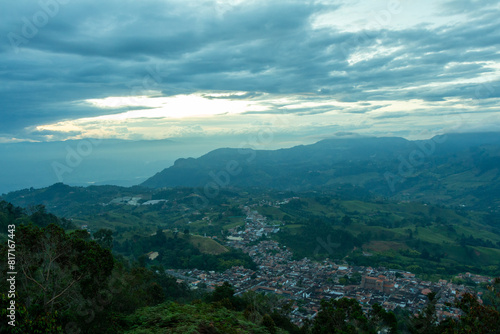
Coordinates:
346 220
40 216
159 238
340 316
187 235
57 272
344 280
355 278
225 291
9 214
268 322
104 237
425 254
81 234
426 320
476 317
410 233
381 319
224 296
26 322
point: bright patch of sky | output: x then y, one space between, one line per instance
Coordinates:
367 15
161 69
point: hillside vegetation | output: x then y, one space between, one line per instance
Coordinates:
452 169
71 281
422 238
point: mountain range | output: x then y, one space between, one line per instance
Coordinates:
451 169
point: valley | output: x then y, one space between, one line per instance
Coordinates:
336 234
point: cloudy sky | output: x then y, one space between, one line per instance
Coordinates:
154 69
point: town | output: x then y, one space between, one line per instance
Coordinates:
307 282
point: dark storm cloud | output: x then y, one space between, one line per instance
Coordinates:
94 49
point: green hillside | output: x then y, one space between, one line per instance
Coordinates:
64 269
452 169
344 225
198 318
207 245
426 239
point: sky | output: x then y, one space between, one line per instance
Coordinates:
151 69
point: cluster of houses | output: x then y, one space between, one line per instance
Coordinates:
308 282
256 226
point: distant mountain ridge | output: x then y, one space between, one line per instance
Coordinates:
451 168
90 161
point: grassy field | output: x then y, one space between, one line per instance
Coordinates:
383 246
207 245
203 244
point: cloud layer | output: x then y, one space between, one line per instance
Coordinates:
366 66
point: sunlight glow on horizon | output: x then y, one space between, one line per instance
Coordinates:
232 113
179 106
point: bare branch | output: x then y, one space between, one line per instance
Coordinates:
32 279
62 292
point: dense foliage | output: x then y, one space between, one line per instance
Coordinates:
69 282
178 252
66 281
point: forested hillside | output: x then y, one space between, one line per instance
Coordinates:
451 169
71 283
